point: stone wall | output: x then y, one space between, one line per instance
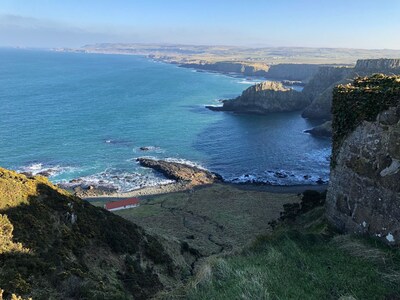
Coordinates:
364 189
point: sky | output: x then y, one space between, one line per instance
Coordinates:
368 24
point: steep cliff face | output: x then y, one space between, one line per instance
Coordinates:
57 246
364 189
320 88
231 67
325 78
378 65
264 98
322 84
302 72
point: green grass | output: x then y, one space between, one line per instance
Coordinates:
140 212
303 260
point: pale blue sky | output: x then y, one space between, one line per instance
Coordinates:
311 23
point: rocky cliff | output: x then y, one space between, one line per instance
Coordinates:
231 67
57 246
265 97
320 87
297 72
302 72
319 91
364 189
381 65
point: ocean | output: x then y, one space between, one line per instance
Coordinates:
86 116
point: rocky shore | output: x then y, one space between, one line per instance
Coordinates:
323 130
181 172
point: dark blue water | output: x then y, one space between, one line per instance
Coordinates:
87 115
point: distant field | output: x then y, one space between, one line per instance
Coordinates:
251 56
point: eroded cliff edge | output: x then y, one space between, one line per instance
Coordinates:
364 190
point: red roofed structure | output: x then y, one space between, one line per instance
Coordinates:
122 204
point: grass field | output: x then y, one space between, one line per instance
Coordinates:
211 219
304 260
241 257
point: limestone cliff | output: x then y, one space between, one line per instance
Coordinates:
364 189
265 97
320 87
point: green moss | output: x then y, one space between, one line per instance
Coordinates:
361 101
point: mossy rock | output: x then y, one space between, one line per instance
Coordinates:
361 101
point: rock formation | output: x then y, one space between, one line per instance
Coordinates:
265 97
181 172
319 91
320 87
231 67
302 72
323 130
381 65
364 189
297 72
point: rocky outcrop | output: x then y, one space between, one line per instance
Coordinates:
323 130
364 189
181 172
265 97
320 87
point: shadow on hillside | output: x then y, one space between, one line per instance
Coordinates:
71 243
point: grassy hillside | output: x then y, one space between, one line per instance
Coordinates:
301 259
209 219
56 246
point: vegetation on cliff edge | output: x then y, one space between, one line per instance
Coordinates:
361 101
304 258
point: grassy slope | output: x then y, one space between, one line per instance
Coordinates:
301 260
46 255
209 218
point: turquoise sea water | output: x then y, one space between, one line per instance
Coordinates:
87 115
